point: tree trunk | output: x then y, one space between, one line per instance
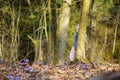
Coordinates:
54 30
115 35
82 31
62 29
14 35
50 42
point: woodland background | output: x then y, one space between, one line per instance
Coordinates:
42 30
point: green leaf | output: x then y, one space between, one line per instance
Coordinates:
32 16
5 9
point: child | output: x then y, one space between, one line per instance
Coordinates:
73 49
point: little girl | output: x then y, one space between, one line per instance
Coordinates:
73 49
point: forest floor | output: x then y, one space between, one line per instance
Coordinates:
77 71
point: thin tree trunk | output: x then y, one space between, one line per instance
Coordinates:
100 57
40 34
115 34
54 30
50 42
17 34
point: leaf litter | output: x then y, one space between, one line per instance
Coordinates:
77 71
